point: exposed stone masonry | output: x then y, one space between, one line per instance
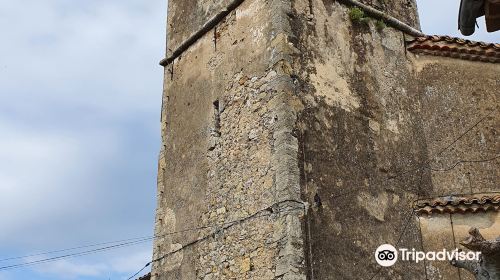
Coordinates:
290 104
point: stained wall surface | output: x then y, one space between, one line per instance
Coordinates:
360 133
379 130
287 102
459 107
188 16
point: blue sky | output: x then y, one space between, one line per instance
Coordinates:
440 17
80 95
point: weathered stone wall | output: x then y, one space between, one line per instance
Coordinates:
229 150
188 16
360 134
375 124
459 107
404 10
457 96
290 101
444 231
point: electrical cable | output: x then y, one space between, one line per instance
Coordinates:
269 210
411 214
453 166
77 254
444 149
133 241
75 248
422 165
137 273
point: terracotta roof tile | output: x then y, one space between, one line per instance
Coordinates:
456 48
458 204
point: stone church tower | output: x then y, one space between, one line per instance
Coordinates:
299 135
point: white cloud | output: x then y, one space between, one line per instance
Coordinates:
39 173
94 56
122 262
132 263
80 90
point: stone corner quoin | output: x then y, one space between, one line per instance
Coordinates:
296 138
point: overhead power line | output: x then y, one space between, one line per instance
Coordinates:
424 164
127 243
75 248
138 240
77 254
220 228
